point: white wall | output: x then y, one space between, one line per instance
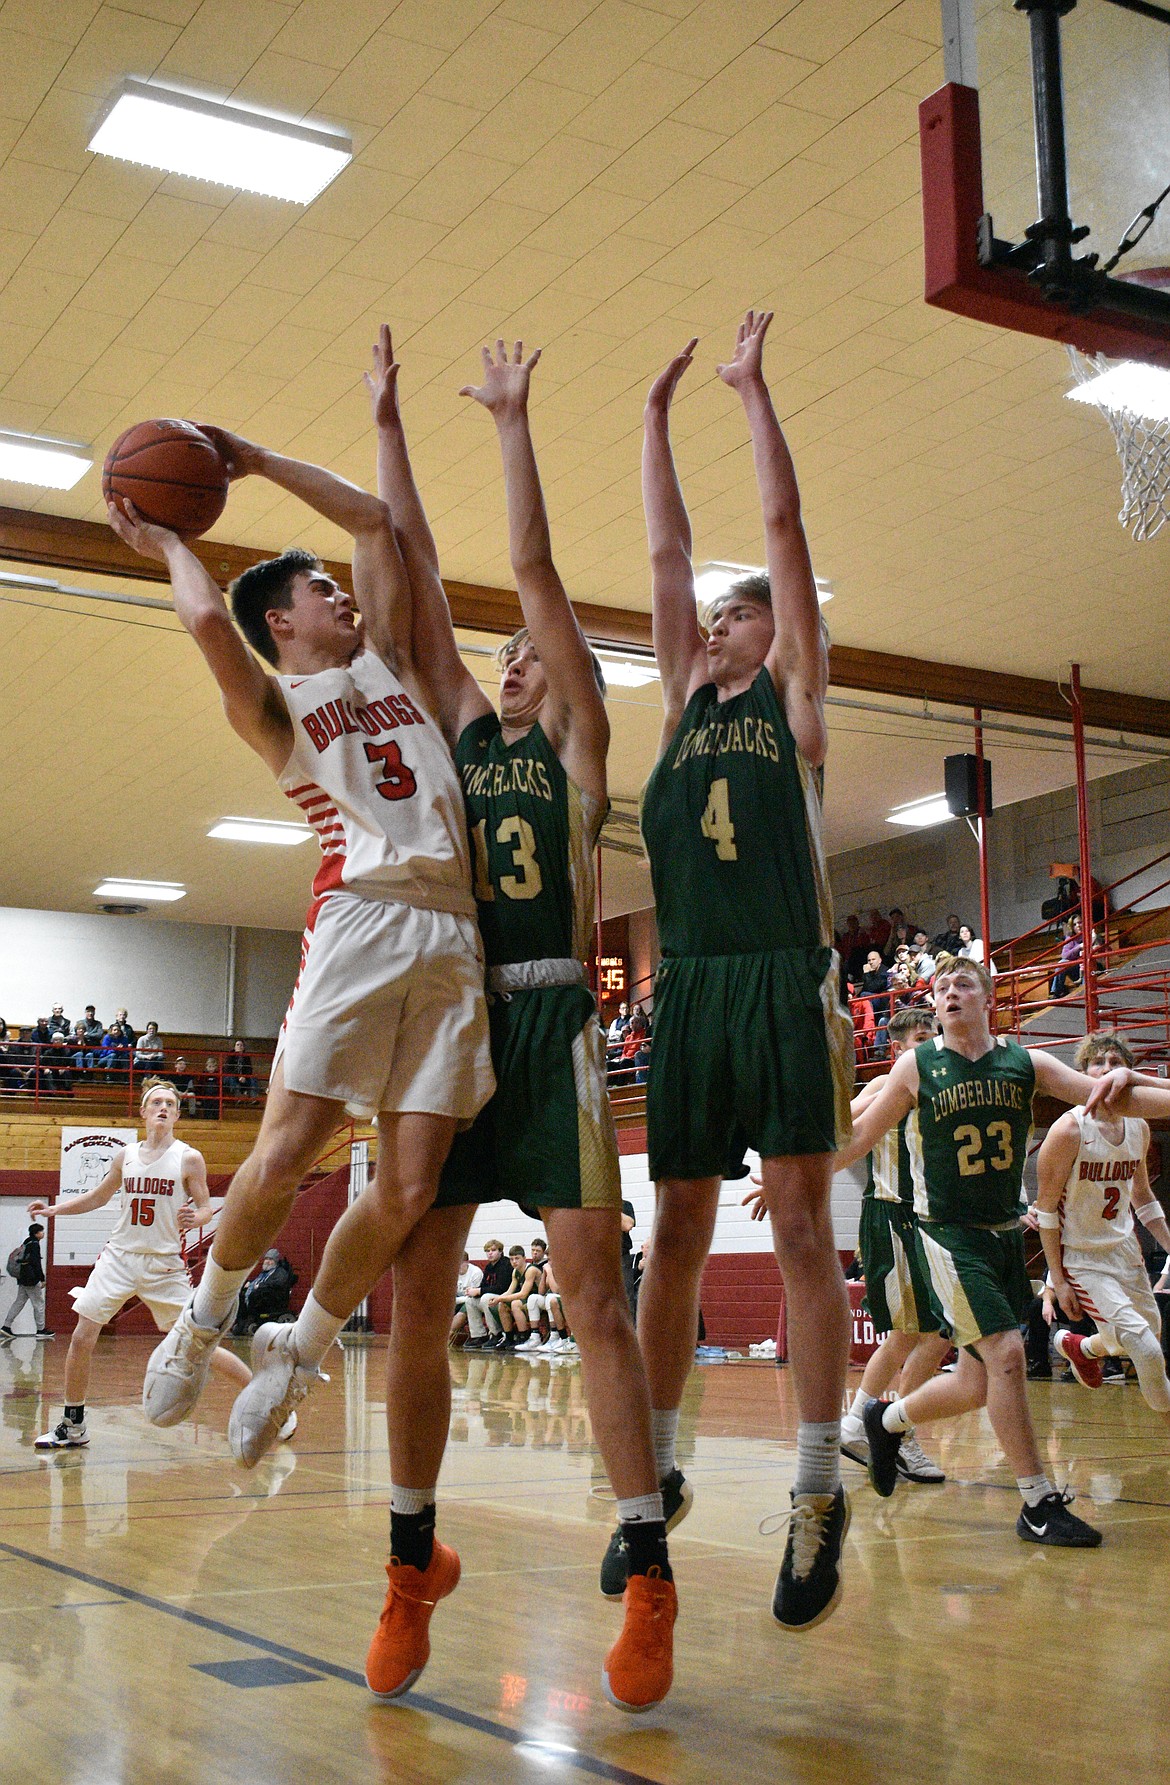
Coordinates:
175 973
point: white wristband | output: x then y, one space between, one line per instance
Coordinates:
1049 1218
1150 1211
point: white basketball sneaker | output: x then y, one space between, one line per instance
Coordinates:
177 1371
279 1384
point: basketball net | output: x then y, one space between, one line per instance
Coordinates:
1143 446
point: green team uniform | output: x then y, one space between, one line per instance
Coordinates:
546 1138
751 1046
974 1118
897 1289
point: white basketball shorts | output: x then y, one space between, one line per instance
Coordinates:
1113 1288
388 1012
159 1279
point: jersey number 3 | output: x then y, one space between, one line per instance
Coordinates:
970 1143
716 824
526 882
398 783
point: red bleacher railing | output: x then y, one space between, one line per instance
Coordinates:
38 1074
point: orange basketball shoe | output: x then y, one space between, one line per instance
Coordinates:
640 1667
401 1647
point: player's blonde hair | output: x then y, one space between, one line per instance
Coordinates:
158 1084
1098 1046
958 963
517 642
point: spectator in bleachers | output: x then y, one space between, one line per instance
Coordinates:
948 941
467 1284
879 930
82 1055
870 994
851 946
971 946
900 936
1068 975
9 1075
21 1057
148 1051
266 1295
184 1084
240 1080
57 1066
93 1029
59 1023
208 1088
482 1319
921 962
616 1034
40 1034
635 1058
121 1024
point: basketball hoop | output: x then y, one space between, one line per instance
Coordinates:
1143 441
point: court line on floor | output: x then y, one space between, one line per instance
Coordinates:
516 1738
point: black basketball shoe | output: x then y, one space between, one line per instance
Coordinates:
1052 1522
677 1499
809 1585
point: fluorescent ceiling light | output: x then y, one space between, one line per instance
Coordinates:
931 810
160 890
716 576
50 464
226 144
1142 390
260 830
627 672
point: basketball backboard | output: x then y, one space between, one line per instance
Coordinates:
1045 99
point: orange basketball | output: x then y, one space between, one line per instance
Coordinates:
171 472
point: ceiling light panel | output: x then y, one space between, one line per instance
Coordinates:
181 134
1136 388
161 891
920 813
50 464
260 830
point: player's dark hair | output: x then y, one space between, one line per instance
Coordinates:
523 637
910 1017
265 586
1097 1046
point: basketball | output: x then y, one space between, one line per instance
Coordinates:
171 472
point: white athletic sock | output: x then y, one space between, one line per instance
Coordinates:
217 1291
1034 1488
860 1402
818 1457
1095 1346
664 1432
410 1501
895 1418
646 1509
315 1331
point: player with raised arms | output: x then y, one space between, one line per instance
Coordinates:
534 785
751 1046
163 1185
1092 1180
969 1097
388 1016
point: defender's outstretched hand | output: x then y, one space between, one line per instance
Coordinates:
382 381
505 381
746 365
661 392
242 458
144 537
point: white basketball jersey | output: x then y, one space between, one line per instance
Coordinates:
375 779
152 1194
1097 1207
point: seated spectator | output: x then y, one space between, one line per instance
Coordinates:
208 1088
238 1080
512 1306
852 946
878 929
10 1078
870 995
21 1058
1068 974
57 1066
40 1034
59 1023
537 1303
266 1295
81 1053
184 1084
921 961
93 1029
149 1049
971 947
900 936
468 1282
122 1024
560 1339
616 1034
949 941
636 1048
482 1321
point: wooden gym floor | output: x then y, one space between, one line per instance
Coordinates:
166 1617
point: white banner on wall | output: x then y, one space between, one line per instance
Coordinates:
85 1159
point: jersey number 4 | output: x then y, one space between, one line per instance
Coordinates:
398 782
141 1212
526 882
716 824
970 1144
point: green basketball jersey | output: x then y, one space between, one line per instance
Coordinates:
533 833
731 820
896 1164
974 1119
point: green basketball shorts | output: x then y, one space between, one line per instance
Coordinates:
897 1290
546 1138
749 1050
978 1282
